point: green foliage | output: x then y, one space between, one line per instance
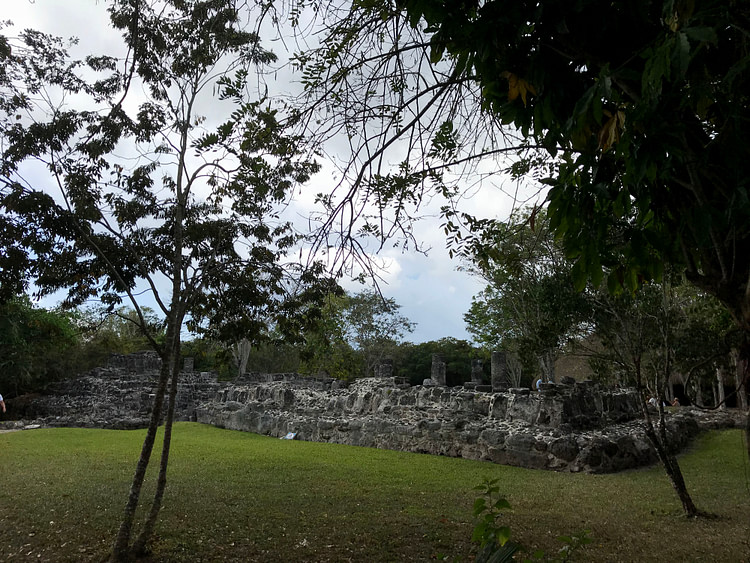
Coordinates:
203 203
209 355
275 357
414 361
355 332
493 538
644 108
36 346
105 332
326 349
374 326
530 306
641 338
267 357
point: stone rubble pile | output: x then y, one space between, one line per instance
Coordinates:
113 397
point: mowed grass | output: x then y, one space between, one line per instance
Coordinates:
235 496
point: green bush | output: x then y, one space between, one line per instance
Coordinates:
36 347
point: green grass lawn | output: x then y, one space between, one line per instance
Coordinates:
235 496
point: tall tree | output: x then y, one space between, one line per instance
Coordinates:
120 196
326 348
639 334
374 326
356 332
529 304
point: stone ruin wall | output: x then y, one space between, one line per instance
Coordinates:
574 426
118 396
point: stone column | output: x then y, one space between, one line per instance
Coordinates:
476 371
385 368
438 369
188 365
499 372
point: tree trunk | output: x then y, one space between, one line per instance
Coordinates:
720 387
120 549
547 363
698 393
170 361
668 460
241 352
139 546
741 382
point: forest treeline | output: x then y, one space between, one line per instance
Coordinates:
671 336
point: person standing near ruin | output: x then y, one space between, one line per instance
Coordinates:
2 403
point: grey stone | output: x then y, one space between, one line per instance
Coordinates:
578 427
565 448
477 371
498 371
438 369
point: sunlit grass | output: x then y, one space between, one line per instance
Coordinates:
235 496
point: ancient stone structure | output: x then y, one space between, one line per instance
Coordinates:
139 362
572 428
499 369
575 426
384 368
438 369
114 398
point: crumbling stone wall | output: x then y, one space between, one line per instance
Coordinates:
115 397
576 426
568 427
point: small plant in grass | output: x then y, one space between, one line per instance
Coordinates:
494 539
495 545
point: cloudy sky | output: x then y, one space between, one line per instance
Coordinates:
430 290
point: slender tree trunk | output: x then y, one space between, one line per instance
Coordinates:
698 393
172 355
743 376
720 388
139 546
241 352
741 381
668 460
659 440
120 549
547 364
672 468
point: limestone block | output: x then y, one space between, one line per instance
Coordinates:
565 448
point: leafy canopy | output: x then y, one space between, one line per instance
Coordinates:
643 106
